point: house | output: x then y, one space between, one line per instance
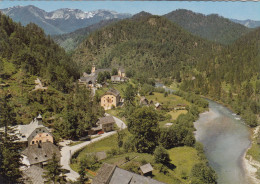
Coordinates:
33 175
180 107
144 101
110 98
90 80
30 134
111 174
158 106
120 77
104 124
146 169
121 72
39 154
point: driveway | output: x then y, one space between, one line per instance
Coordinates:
68 151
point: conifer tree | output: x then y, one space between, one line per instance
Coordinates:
54 171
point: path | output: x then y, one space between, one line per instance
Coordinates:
68 151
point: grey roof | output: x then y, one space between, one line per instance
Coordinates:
146 168
87 79
157 104
144 100
106 120
34 175
38 153
112 92
28 129
39 116
110 174
104 174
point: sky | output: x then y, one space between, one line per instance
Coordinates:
236 10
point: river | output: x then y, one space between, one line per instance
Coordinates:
225 138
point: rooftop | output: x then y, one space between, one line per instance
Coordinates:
146 168
38 153
110 174
106 120
34 175
112 92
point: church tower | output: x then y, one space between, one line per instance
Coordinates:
93 69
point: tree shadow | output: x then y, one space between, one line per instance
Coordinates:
170 165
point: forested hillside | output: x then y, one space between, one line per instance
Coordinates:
145 45
70 41
26 54
212 27
233 76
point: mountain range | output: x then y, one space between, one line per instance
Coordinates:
60 21
147 44
248 23
211 27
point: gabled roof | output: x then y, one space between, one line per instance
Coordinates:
104 174
38 153
157 104
106 120
110 174
112 92
26 130
34 174
146 168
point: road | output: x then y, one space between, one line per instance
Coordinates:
68 151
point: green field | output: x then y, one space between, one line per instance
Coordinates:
171 100
182 158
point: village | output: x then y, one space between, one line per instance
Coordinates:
38 145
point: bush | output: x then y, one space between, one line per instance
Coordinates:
161 155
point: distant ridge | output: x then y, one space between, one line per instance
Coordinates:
60 21
212 27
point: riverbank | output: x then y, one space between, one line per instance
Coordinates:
251 165
225 139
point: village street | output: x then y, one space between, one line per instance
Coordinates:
68 151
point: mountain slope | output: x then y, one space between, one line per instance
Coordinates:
59 21
233 76
70 41
29 50
211 27
148 44
248 23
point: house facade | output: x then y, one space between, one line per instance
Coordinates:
30 134
120 77
104 124
110 98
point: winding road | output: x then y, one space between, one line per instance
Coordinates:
68 151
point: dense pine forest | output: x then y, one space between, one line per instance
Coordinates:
211 27
148 45
25 54
232 77
152 46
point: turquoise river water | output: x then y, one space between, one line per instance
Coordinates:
225 138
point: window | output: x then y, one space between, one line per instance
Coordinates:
32 142
36 158
40 141
47 135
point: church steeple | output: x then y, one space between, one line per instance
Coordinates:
93 69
